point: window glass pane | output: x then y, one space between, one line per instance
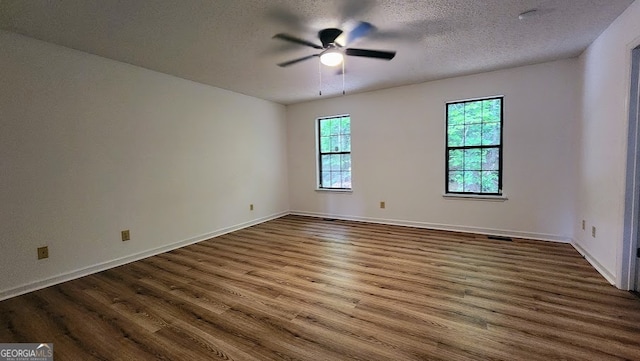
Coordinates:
455 136
325 127
345 143
491 110
326 179
491 159
325 144
473 112
456 159
345 162
456 181
335 143
326 163
472 159
336 180
472 181
345 125
455 114
346 179
490 133
335 126
490 181
335 162
473 134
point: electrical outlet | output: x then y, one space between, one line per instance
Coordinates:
125 235
382 204
593 231
43 252
583 224
250 207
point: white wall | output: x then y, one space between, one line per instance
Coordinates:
90 146
605 68
398 154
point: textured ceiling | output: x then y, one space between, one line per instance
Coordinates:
228 43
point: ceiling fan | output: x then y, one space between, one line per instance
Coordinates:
333 42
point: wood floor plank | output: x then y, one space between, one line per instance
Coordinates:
301 288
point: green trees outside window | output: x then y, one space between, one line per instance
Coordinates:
474 147
334 152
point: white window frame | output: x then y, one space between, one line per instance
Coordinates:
319 154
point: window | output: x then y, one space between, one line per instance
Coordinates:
474 147
334 152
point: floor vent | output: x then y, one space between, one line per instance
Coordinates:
499 238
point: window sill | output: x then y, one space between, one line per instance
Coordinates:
476 197
334 190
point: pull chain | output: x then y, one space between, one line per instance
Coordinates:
320 77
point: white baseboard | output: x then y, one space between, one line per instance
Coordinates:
33 286
600 268
443 227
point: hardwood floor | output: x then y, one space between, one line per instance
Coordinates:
299 288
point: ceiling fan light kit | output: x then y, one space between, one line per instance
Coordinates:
332 57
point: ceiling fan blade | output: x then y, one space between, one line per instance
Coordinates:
328 36
378 54
362 29
291 62
293 39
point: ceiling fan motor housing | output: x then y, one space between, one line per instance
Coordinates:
329 36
